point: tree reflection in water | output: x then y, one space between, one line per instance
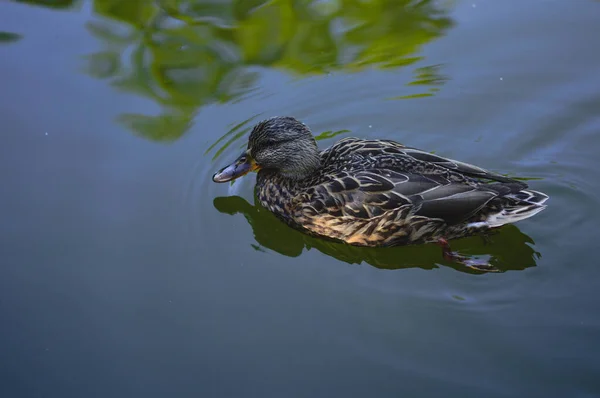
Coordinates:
184 54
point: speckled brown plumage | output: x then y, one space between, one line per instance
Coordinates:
379 192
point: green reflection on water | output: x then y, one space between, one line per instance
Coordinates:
509 250
184 54
56 4
9 37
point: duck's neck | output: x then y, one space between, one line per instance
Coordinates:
275 191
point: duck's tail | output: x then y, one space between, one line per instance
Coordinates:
519 206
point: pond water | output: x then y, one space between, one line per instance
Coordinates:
125 272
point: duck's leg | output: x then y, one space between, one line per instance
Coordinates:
464 260
487 236
482 229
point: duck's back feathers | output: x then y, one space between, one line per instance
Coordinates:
387 153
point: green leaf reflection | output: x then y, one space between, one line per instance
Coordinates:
8 37
184 54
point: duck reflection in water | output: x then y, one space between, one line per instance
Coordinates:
377 193
507 250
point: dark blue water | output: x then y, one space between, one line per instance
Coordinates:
125 272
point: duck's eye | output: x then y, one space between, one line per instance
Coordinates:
242 160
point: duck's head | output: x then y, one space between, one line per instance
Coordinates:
283 145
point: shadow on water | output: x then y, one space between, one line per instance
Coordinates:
184 54
509 249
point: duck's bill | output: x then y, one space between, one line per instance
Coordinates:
242 166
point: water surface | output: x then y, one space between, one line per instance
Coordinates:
126 272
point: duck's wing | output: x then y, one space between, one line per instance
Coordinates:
380 207
463 168
372 193
396 156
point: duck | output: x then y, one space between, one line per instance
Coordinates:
376 192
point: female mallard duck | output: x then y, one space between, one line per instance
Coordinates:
375 192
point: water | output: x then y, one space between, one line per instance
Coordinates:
126 272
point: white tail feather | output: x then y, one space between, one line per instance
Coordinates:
528 204
512 215
529 196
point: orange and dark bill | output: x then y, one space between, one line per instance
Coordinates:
243 165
